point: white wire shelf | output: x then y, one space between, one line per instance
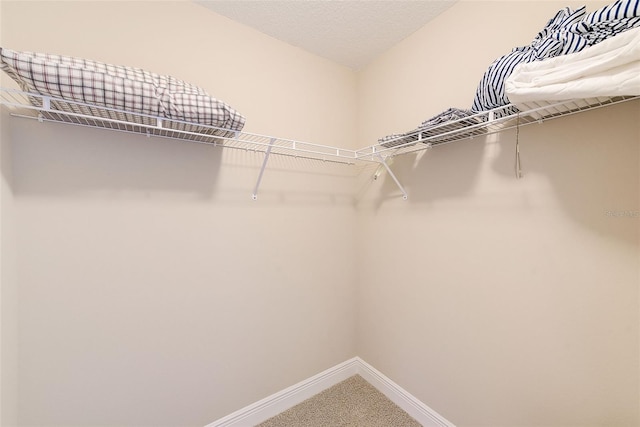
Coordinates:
480 124
48 109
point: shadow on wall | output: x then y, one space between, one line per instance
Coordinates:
589 160
54 159
441 172
58 160
5 149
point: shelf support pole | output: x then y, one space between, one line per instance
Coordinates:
391 174
254 195
518 163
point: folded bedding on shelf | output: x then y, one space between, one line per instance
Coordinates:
569 31
96 84
437 129
608 69
552 40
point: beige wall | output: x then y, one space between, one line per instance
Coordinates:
8 285
497 301
153 290
8 279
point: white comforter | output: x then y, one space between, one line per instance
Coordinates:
607 69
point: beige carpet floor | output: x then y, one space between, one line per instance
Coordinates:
351 403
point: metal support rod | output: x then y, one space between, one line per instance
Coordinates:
518 163
254 195
46 106
386 166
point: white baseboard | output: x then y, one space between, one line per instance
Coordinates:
281 401
405 400
270 406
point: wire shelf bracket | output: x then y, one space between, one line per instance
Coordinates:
254 195
384 164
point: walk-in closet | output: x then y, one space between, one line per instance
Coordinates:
470 249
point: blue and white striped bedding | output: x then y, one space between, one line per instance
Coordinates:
566 33
440 128
608 21
569 31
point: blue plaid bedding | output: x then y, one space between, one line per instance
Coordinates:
118 87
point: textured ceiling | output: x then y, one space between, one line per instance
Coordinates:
350 32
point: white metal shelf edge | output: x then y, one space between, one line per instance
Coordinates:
49 109
40 107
